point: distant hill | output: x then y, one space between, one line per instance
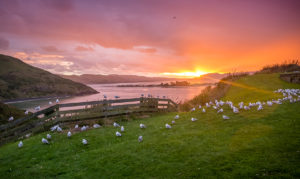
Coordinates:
20 80
102 79
208 78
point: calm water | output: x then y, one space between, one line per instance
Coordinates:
177 94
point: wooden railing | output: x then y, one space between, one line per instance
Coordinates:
60 113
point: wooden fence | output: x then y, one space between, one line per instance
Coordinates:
69 112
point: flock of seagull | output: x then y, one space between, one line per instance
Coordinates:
291 95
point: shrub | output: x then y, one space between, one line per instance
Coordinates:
287 66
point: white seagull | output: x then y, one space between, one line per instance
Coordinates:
122 129
118 134
168 126
69 134
48 136
140 138
193 119
116 124
225 117
83 128
176 117
45 141
142 126
11 118
96 126
20 144
84 141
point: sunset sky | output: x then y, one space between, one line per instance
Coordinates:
150 37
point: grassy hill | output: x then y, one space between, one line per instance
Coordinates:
7 111
250 144
20 80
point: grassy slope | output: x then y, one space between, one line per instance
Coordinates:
20 80
250 144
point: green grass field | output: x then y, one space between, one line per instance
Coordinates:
250 144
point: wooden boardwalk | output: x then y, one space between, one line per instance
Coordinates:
69 112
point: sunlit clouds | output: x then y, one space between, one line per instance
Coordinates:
143 37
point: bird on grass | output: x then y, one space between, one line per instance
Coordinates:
235 110
193 119
173 122
140 138
203 110
118 134
84 142
83 128
57 100
176 117
220 110
45 141
59 129
225 117
76 126
168 126
96 126
20 144
193 109
142 126
259 107
246 107
69 134
116 124
122 129
48 136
